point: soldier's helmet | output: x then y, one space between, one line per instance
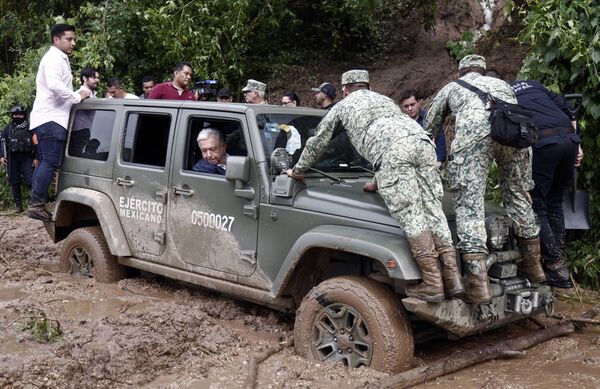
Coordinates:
18 109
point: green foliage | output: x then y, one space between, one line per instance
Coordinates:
462 47
565 56
42 328
585 267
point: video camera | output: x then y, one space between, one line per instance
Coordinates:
207 89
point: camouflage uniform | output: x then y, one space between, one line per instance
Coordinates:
471 155
407 176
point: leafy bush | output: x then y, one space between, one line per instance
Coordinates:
565 56
462 47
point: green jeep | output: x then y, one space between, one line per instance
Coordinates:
127 197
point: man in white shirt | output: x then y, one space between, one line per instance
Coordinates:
115 90
50 114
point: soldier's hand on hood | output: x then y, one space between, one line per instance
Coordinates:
290 172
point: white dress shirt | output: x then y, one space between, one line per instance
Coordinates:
54 96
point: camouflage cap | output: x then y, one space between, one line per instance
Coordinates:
255 85
354 76
472 60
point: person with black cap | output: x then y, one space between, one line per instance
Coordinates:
224 96
325 95
18 152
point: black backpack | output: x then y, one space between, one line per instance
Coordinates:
20 139
511 124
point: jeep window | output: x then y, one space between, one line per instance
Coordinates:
291 132
146 138
91 134
232 131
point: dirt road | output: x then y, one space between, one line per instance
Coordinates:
158 333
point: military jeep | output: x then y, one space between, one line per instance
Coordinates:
127 197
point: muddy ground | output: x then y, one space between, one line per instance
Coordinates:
158 333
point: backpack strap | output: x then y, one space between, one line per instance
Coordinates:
482 95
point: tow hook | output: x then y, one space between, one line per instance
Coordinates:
548 303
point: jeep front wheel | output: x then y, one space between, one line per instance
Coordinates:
86 253
357 321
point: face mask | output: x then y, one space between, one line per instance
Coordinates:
18 120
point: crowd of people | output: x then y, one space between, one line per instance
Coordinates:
405 144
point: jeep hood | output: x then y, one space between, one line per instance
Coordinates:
349 200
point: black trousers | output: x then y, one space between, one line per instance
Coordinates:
553 173
19 165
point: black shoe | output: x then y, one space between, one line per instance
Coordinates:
19 209
39 214
557 274
558 280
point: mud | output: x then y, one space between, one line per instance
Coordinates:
147 331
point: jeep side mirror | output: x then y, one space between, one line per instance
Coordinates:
238 172
238 169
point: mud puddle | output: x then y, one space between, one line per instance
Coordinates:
151 332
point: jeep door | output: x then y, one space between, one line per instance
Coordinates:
209 228
140 185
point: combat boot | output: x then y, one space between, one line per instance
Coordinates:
531 265
478 291
423 250
450 275
557 273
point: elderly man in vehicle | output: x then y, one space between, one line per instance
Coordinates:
404 160
213 148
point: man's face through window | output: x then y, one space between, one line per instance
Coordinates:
183 77
147 87
212 151
92 82
116 92
411 107
249 96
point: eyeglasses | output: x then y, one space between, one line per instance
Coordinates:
211 149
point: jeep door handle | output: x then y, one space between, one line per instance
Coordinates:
124 182
183 191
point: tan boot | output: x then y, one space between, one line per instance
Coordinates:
450 275
478 291
423 250
531 264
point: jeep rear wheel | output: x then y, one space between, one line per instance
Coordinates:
86 253
357 321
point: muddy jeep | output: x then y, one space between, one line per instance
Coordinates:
128 197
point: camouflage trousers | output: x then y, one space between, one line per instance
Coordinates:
410 184
468 171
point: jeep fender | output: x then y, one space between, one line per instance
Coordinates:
105 212
378 245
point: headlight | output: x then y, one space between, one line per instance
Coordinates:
497 231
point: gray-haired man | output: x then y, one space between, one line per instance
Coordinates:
405 169
213 148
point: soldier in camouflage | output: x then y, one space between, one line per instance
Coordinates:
409 182
471 155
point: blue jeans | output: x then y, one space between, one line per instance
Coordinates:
51 144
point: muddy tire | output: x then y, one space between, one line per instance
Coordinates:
357 321
86 253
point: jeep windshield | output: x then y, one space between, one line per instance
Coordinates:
290 131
